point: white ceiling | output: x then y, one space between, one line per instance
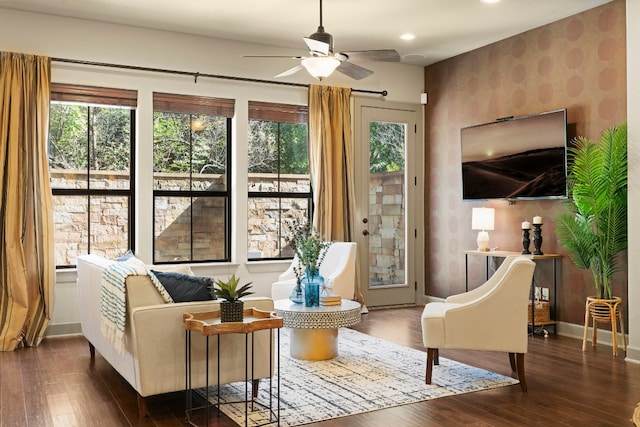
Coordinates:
443 28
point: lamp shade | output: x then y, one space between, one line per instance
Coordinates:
482 218
320 66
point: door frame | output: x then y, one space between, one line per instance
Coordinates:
414 234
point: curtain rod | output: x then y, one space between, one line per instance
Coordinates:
197 75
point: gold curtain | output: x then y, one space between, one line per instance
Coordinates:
331 161
27 270
331 164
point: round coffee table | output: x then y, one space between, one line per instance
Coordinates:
314 330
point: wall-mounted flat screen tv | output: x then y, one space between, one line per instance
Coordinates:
516 158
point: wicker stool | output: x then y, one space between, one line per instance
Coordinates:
604 311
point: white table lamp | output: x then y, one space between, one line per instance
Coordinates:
482 219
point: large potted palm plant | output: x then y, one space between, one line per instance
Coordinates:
594 228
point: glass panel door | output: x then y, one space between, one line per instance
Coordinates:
387 157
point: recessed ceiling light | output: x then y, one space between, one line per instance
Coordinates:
489 1
407 36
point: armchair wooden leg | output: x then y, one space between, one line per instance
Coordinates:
432 354
520 369
512 361
436 358
92 352
142 407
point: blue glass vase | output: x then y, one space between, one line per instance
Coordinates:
312 285
297 293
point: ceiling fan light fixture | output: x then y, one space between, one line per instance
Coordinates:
320 66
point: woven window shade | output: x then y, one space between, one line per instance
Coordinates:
172 103
94 95
283 113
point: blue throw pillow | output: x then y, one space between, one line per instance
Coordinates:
183 287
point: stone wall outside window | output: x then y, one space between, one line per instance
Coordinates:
109 225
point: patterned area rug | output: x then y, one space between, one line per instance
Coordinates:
368 374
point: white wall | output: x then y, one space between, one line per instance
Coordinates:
633 123
58 37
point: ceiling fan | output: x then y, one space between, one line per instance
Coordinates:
322 61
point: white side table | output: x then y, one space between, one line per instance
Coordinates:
314 330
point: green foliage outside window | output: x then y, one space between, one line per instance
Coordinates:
177 136
387 145
103 131
267 139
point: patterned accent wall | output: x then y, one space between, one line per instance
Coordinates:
578 63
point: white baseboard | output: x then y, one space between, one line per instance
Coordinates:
62 329
605 337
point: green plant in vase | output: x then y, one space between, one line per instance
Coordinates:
232 308
594 230
310 250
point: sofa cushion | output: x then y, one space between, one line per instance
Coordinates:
183 287
179 268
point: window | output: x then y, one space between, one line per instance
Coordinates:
191 192
90 150
279 180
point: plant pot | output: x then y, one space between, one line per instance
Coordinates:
604 311
231 311
601 310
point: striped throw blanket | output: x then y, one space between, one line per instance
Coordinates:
113 307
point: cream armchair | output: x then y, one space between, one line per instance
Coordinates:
492 317
338 267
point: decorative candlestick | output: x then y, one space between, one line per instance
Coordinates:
537 238
525 241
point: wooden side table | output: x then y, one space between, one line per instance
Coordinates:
209 324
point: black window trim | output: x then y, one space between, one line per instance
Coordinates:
227 195
280 113
90 96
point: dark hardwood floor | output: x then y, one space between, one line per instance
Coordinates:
57 385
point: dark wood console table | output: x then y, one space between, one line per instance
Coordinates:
504 254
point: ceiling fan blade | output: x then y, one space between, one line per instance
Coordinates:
273 56
290 71
382 55
354 71
317 46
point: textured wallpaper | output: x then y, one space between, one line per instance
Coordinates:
577 63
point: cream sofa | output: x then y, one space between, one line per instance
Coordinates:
154 358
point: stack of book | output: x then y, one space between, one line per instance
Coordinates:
330 300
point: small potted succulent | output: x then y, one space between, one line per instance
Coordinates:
231 309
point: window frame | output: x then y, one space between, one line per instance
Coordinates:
197 105
108 97
280 113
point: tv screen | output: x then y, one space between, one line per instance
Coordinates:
516 158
